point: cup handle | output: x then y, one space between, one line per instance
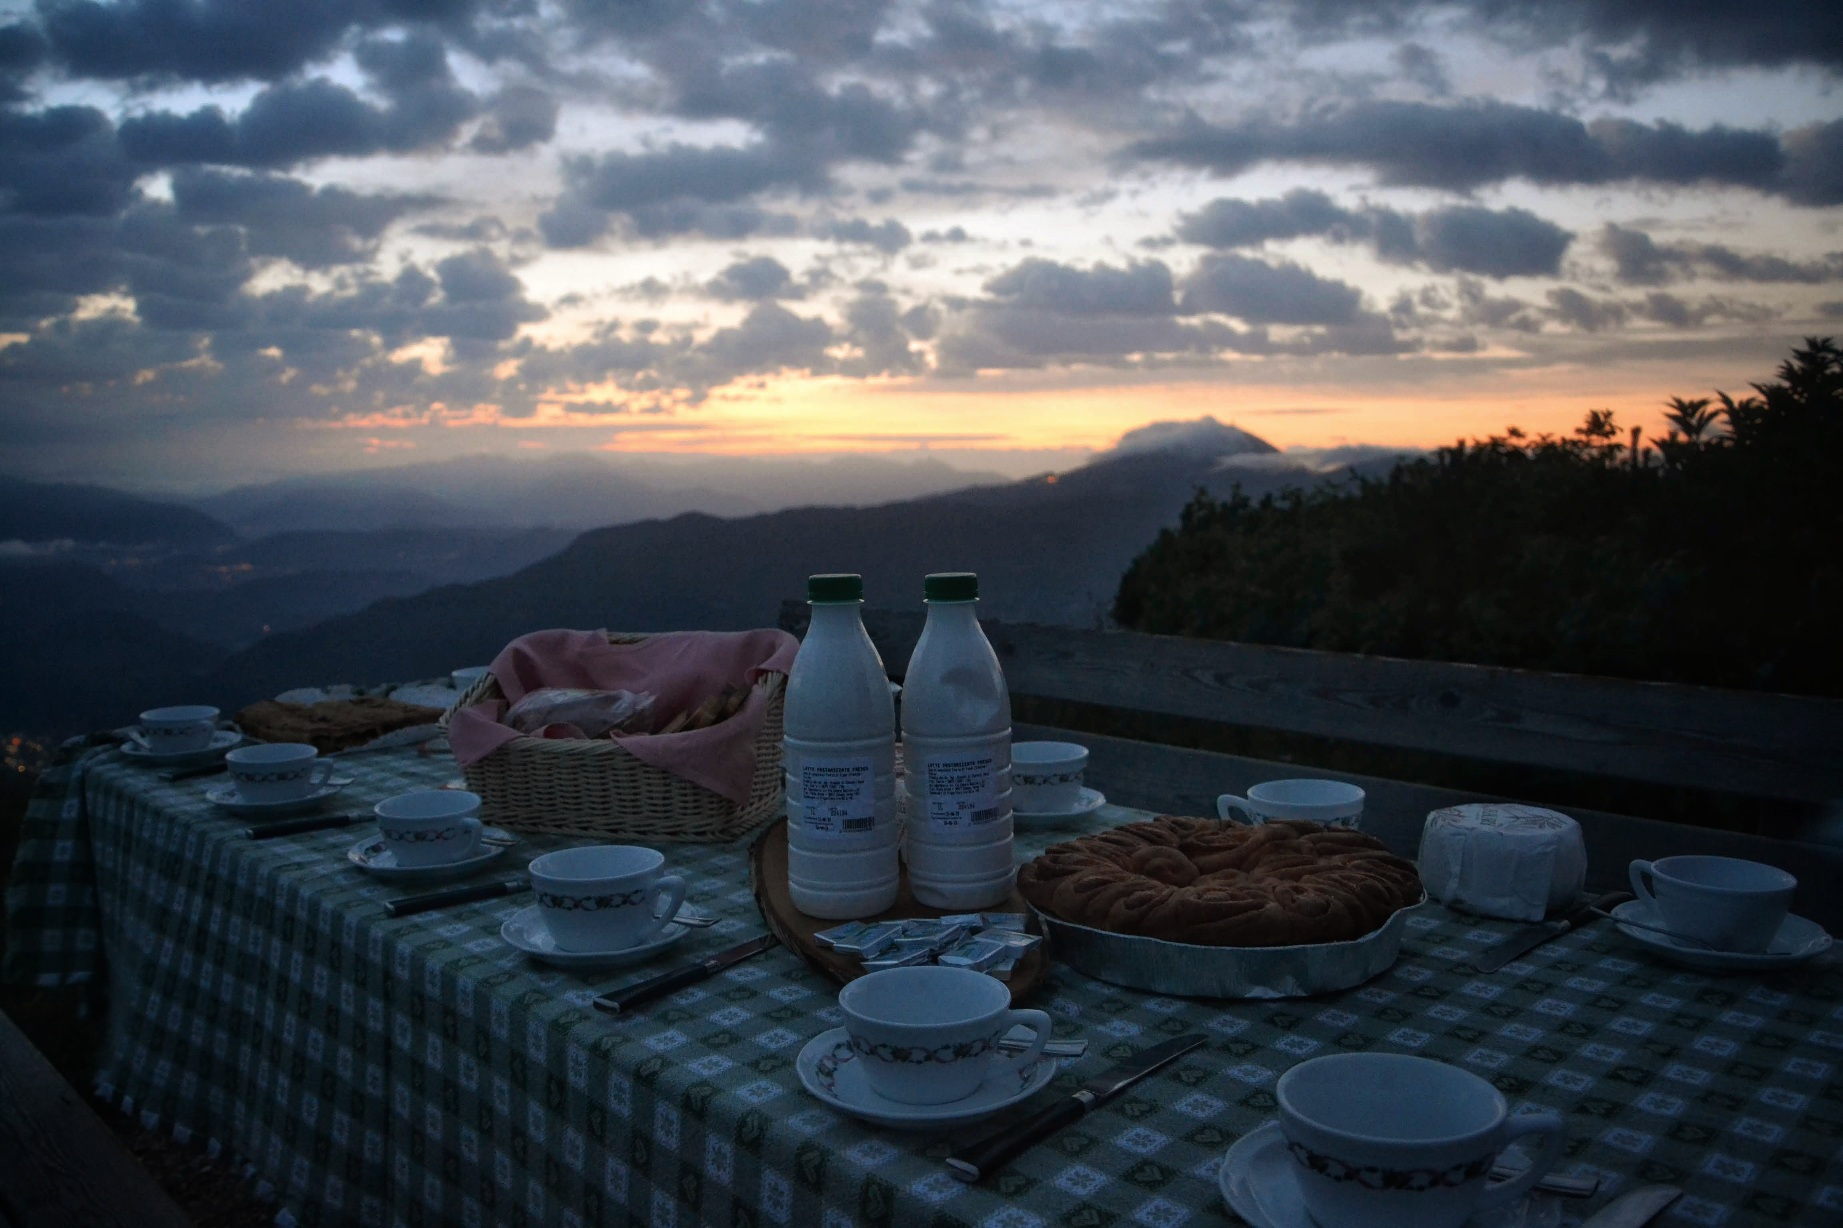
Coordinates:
1038 1023
475 830
1228 802
1549 1128
1639 871
672 889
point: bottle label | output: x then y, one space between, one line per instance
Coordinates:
962 790
838 796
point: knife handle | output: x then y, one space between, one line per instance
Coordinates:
981 1159
627 999
410 905
294 827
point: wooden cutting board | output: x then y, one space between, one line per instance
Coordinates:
768 880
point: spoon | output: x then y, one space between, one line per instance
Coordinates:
1685 939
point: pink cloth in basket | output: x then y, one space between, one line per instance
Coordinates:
681 668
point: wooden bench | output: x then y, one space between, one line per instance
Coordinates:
1787 749
60 1165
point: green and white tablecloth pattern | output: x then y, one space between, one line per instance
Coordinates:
418 1071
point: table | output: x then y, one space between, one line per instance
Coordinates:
418 1071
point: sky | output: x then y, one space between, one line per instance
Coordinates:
240 240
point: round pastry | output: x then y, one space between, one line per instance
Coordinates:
1280 883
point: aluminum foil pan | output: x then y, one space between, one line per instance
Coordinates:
1185 970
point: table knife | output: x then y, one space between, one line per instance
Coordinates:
1530 937
975 1162
623 1000
411 904
294 827
1635 1208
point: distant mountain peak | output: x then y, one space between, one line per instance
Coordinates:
1202 437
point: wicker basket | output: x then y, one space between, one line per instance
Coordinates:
595 788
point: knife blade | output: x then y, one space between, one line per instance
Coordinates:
623 1000
409 905
1527 939
294 827
1634 1208
974 1162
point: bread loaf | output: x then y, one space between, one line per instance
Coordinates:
1199 881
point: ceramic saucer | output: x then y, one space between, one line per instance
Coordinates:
525 929
227 796
1257 1181
376 857
1797 940
221 741
1091 801
830 1071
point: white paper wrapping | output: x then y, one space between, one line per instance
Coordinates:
1503 860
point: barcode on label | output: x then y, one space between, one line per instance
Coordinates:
859 824
985 816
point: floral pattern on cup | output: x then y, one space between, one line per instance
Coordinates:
921 1055
425 837
595 903
1371 1177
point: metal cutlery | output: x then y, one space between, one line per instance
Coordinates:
410 905
621 1001
1635 1208
1658 929
1055 1048
294 827
1529 937
985 1157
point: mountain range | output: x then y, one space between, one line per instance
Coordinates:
92 640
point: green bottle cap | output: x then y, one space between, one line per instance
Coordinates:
835 587
951 586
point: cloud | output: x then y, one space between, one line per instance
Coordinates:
1641 260
888 236
62 160
672 191
1589 315
1463 238
518 117
296 121
760 277
219 40
1043 285
1263 293
313 227
1466 146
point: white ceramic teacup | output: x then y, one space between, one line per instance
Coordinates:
1388 1140
1319 801
176 730
1722 902
605 897
430 827
1046 777
929 1035
277 771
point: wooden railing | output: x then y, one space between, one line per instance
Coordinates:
1786 748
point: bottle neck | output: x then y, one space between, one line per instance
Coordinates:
953 613
831 615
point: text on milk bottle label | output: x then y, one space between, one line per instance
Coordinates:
839 796
962 790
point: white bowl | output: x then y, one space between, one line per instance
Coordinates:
842 904
826 868
963 895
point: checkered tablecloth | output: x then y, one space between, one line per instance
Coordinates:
418 1071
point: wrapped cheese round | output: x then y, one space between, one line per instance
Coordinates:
1501 859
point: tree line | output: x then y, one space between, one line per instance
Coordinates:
1711 555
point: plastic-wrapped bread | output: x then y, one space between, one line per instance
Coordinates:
1502 859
